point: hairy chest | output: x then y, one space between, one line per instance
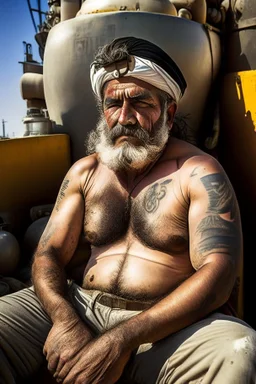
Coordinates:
155 217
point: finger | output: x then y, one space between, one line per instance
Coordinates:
61 374
45 349
47 346
59 380
62 370
72 375
67 362
53 361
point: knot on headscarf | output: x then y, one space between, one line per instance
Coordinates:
145 61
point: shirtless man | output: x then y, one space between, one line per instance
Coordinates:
163 224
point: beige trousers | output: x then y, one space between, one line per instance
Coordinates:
219 349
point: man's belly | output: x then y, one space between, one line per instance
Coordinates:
141 273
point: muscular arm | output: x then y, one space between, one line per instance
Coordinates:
55 250
56 247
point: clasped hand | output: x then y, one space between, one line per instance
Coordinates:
75 357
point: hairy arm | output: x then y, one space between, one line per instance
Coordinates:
57 245
55 250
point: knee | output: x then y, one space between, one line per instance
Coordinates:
239 357
244 347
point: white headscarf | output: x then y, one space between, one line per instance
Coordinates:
142 69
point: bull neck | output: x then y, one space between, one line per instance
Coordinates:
143 174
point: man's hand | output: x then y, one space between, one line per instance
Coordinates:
102 360
63 345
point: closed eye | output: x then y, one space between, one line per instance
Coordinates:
110 103
142 104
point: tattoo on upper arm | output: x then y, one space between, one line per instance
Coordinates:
218 234
221 198
194 172
61 194
154 194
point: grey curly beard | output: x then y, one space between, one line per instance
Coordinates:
127 155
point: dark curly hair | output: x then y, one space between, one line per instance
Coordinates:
107 55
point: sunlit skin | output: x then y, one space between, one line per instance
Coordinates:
126 101
130 101
169 235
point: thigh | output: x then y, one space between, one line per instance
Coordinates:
219 349
24 327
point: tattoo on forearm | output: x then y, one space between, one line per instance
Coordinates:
61 194
154 194
49 231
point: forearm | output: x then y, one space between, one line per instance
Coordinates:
194 299
49 280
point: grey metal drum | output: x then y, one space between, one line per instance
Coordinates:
71 46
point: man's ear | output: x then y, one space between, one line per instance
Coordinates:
171 113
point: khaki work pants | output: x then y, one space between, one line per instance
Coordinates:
219 349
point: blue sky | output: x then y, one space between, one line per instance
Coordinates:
16 26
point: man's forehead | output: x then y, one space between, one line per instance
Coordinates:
130 87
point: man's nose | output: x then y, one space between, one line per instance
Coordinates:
127 116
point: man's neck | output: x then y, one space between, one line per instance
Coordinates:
132 176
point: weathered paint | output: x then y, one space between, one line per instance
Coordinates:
31 171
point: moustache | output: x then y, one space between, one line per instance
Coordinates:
129 130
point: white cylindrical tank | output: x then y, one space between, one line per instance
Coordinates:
71 46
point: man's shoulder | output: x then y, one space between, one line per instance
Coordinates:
85 164
189 157
183 151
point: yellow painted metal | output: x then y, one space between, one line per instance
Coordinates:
246 92
238 126
31 171
237 154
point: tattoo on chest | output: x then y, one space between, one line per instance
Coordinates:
154 195
61 194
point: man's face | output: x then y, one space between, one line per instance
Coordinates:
130 101
133 127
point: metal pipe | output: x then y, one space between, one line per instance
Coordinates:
3 122
31 14
69 9
198 8
31 86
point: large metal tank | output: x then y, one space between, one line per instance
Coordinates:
71 46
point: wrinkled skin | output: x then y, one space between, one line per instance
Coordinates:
75 358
